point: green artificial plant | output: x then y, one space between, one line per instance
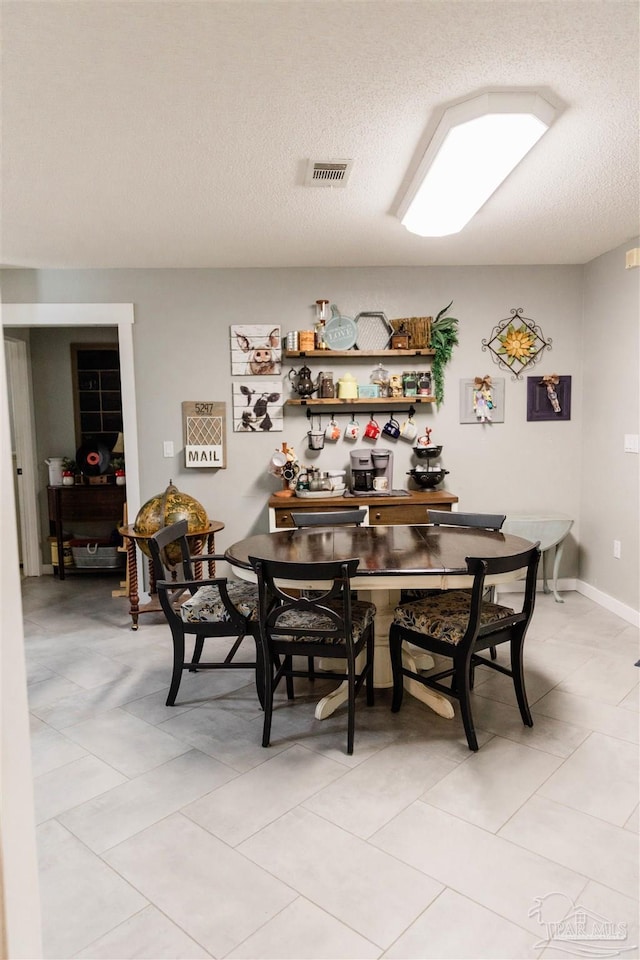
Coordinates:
444 337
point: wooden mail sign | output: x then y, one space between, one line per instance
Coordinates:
204 423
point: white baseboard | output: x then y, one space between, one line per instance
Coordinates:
621 610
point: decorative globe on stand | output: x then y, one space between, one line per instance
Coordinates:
167 508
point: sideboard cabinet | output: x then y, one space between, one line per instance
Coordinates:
83 503
380 510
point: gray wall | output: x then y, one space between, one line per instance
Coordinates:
611 402
181 342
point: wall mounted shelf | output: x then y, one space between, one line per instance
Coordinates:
356 354
384 402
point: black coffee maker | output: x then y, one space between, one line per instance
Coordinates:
372 472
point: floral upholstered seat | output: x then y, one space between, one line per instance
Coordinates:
446 615
206 604
362 614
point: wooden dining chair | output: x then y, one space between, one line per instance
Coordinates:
206 609
328 518
459 624
328 624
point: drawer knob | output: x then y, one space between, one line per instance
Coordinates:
377 516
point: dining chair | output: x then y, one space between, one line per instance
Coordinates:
206 609
328 518
328 624
451 518
459 624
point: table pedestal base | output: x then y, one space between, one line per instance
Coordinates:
413 659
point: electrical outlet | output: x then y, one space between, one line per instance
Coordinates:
167 448
617 549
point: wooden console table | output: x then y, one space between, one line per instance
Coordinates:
409 509
84 503
197 540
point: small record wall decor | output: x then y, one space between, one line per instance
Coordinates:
256 350
204 426
257 406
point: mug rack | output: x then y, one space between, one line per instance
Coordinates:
378 400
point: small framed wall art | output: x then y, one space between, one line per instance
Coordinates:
257 406
549 397
204 426
256 350
482 400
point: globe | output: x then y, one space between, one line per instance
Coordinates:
167 508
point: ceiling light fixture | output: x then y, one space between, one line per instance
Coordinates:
476 145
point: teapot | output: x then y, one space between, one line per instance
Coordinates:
302 382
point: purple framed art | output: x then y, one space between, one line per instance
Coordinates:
549 398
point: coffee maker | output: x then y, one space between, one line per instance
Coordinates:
372 472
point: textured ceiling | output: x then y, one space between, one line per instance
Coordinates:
171 134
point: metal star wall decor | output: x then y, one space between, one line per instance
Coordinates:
516 343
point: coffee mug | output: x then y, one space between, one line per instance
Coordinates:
352 430
380 484
315 440
332 431
372 430
277 462
392 428
409 430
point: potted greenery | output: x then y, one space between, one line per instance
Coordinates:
444 337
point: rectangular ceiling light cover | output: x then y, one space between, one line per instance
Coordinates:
476 145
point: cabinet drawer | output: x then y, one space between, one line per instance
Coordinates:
409 513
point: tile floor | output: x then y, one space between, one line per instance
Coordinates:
170 832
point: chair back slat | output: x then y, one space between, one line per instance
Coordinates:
450 518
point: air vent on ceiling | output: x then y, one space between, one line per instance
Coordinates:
328 173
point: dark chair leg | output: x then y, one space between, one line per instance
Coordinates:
288 665
462 676
197 652
178 664
268 702
351 703
260 667
494 653
311 668
370 653
517 668
395 650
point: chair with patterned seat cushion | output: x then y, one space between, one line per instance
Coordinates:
206 609
328 624
458 625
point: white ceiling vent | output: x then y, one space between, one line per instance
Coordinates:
328 173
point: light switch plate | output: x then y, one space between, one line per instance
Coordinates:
167 448
631 443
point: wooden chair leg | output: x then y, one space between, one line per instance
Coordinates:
197 652
463 686
178 664
370 654
351 704
268 704
311 668
517 669
288 665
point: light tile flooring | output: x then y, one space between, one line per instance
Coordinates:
170 832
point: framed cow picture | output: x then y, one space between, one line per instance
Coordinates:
257 406
256 350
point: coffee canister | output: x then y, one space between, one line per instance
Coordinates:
306 339
292 342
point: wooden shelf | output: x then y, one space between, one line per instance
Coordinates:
361 402
357 354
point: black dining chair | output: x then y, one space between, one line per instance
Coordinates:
328 518
459 625
328 624
206 609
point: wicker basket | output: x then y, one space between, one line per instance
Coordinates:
418 328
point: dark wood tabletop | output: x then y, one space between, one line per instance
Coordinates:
384 551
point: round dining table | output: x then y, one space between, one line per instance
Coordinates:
392 558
